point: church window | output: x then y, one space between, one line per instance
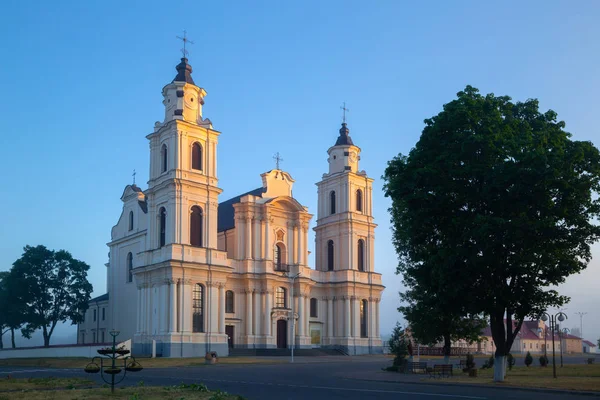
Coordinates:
363 318
229 300
330 255
313 307
280 297
130 220
359 200
94 318
197 156
361 255
103 314
196 227
198 306
279 260
129 267
332 202
163 155
162 226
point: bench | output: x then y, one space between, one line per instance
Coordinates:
590 360
414 367
441 370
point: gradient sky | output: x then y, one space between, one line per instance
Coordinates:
82 88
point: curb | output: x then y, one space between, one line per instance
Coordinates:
479 386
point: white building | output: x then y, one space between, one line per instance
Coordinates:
197 275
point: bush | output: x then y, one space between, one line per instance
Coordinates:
543 361
470 362
510 361
528 359
399 346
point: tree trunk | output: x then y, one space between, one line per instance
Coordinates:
12 338
499 336
446 349
46 337
1 343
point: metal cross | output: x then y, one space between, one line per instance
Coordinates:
277 159
345 110
133 176
185 40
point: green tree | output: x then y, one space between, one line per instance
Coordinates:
528 359
498 200
55 286
11 306
399 345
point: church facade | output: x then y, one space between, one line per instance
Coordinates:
196 275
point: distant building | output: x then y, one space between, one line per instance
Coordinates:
589 347
94 328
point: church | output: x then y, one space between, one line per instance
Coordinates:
196 274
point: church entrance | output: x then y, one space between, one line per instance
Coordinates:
229 329
281 334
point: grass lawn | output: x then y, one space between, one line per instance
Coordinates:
571 377
78 389
80 362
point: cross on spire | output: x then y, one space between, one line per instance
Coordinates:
345 110
133 176
185 40
277 159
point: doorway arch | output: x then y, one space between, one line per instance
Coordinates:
282 334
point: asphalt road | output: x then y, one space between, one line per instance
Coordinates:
329 380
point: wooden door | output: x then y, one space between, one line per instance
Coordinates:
229 329
281 334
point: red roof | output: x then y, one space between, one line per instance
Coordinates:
529 331
589 343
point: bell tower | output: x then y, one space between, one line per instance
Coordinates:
345 229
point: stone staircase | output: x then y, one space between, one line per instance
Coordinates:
236 352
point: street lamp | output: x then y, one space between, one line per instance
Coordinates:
566 332
560 316
293 278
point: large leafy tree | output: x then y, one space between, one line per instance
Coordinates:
12 308
498 196
55 289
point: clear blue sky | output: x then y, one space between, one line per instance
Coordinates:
82 87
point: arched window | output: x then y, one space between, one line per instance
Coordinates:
279 260
163 156
229 301
162 226
196 219
359 200
198 308
129 267
361 255
330 255
313 307
363 318
197 156
280 297
130 220
332 202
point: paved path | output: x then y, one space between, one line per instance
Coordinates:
349 378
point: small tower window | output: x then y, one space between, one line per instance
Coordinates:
359 200
130 220
330 255
196 227
198 307
162 226
361 255
229 300
313 307
332 202
197 156
163 155
363 318
129 267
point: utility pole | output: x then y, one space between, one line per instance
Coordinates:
581 314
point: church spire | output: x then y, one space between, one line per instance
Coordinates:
184 72
344 138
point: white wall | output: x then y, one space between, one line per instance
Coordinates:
54 351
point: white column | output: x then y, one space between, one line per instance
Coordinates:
297 253
147 311
139 309
267 316
214 307
299 246
248 249
249 312
372 319
239 231
222 308
263 248
257 242
172 306
305 244
329 317
377 318
256 313
307 315
185 302
347 318
268 254
356 318
162 297
290 244
301 316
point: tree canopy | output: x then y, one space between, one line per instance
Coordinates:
496 200
12 307
54 286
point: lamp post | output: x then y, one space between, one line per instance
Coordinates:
293 279
560 316
566 332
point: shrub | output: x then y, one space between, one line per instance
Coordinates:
510 361
528 359
399 345
543 360
470 362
